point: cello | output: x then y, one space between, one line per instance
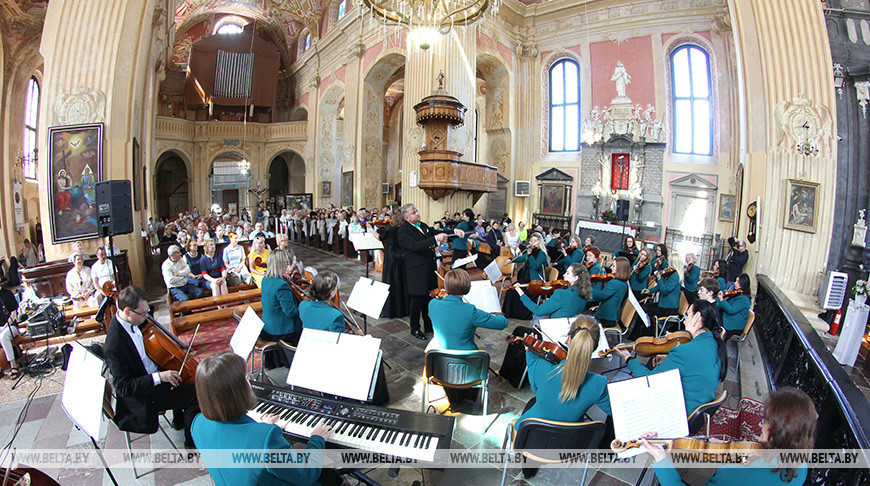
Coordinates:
167 351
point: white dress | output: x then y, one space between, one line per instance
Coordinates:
513 242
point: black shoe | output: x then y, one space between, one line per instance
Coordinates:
178 423
189 444
419 335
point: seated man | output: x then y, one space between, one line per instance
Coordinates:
142 389
258 228
175 272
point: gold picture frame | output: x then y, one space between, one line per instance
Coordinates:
553 199
325 189
727 207
802 206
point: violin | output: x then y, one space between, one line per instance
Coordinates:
438 294
640 266
552 352
602 278
167 351
258 263
708 275
666 272
537 288
297 282
730 294
589 265
650 346
741 449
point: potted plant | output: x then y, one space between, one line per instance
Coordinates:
861 289
608 216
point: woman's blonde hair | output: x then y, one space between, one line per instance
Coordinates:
584 338
540 238
648 254
277 264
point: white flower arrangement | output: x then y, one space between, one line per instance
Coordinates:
862 287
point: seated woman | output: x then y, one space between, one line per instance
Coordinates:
612 294
702 361
79 284
660 262
454 321
193 261
691 275
735 310
564 302
225 397
570 255
258 251
789 423
629 250
591 261
280 312
535 261
640 273
214 272
317 313
234 258
668 288
720 270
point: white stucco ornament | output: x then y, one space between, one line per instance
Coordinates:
79 106
859 230
801 120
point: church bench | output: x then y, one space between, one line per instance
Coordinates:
183 324
170 300
195 305
49 279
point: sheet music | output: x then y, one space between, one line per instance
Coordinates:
246 333
335 363
492 271
463 261
640 312
483 296
83 390
652 403
365 241
368 296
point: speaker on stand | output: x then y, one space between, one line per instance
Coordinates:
622 214
115 212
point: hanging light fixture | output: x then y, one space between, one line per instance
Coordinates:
424 18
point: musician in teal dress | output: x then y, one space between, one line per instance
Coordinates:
454 321
640 272
592 265
570 255
280 312
564 302
702 361
460 243
660 262
719 270
735 310
691 274
223 427
612 294
317 313
790 420
534 263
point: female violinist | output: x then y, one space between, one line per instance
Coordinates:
640 273
564 302
790 420
454 321
317 313
570 255
565 391
535 261
261 253
460 243
702 361
394 269
660 263
612 294
720 270
691 275
668 287
280 310
735 310
629 250
591 261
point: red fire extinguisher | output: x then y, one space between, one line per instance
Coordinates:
835 324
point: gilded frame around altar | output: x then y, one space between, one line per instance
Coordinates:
75 166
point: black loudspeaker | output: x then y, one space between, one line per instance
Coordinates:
114 207
622 209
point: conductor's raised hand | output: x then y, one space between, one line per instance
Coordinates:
459 233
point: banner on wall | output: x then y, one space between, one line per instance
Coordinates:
18 206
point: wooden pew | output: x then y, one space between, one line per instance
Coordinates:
203 309
49 279
185 323
208 302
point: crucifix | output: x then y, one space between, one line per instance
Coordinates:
258 193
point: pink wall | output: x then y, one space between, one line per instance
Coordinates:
504 51
668 37
636 56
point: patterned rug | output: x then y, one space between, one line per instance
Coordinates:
213 338
741 424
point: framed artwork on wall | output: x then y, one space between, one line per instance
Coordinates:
802 205
75 166
727 207
299 201
325 189
347 189
553 199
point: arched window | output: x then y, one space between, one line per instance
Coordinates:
230 29
31 113
307 41
342 9
564 106
692 101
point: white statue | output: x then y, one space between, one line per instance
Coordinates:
621 78
859 233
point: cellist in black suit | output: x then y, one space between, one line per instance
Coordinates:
418 241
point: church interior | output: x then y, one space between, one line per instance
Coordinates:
711 133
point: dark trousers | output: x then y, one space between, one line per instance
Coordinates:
419 304
730 334
274 358
181 400
457 254
654 311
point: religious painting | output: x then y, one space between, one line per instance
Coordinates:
619 172
233 208
299 201
727 207
803 202
75 166
347 189
553 199
325 189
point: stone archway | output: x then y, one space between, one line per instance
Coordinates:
383 74
171 185
286 174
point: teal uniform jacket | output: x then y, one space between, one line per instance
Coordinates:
563 303
596 270
247 435
454 321
734 311
732 474
611 297
280 313
576 256
639 280
722 285
461 243
320 315
546 381
691 277
536 264
664 265
669 288
698 362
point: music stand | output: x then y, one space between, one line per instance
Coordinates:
365 242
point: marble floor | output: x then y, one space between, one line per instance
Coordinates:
45 425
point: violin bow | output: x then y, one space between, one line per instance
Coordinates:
189 347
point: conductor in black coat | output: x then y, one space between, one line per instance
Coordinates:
418 241
142 389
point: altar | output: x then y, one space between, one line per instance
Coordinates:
608 237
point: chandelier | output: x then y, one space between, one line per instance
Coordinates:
430 15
